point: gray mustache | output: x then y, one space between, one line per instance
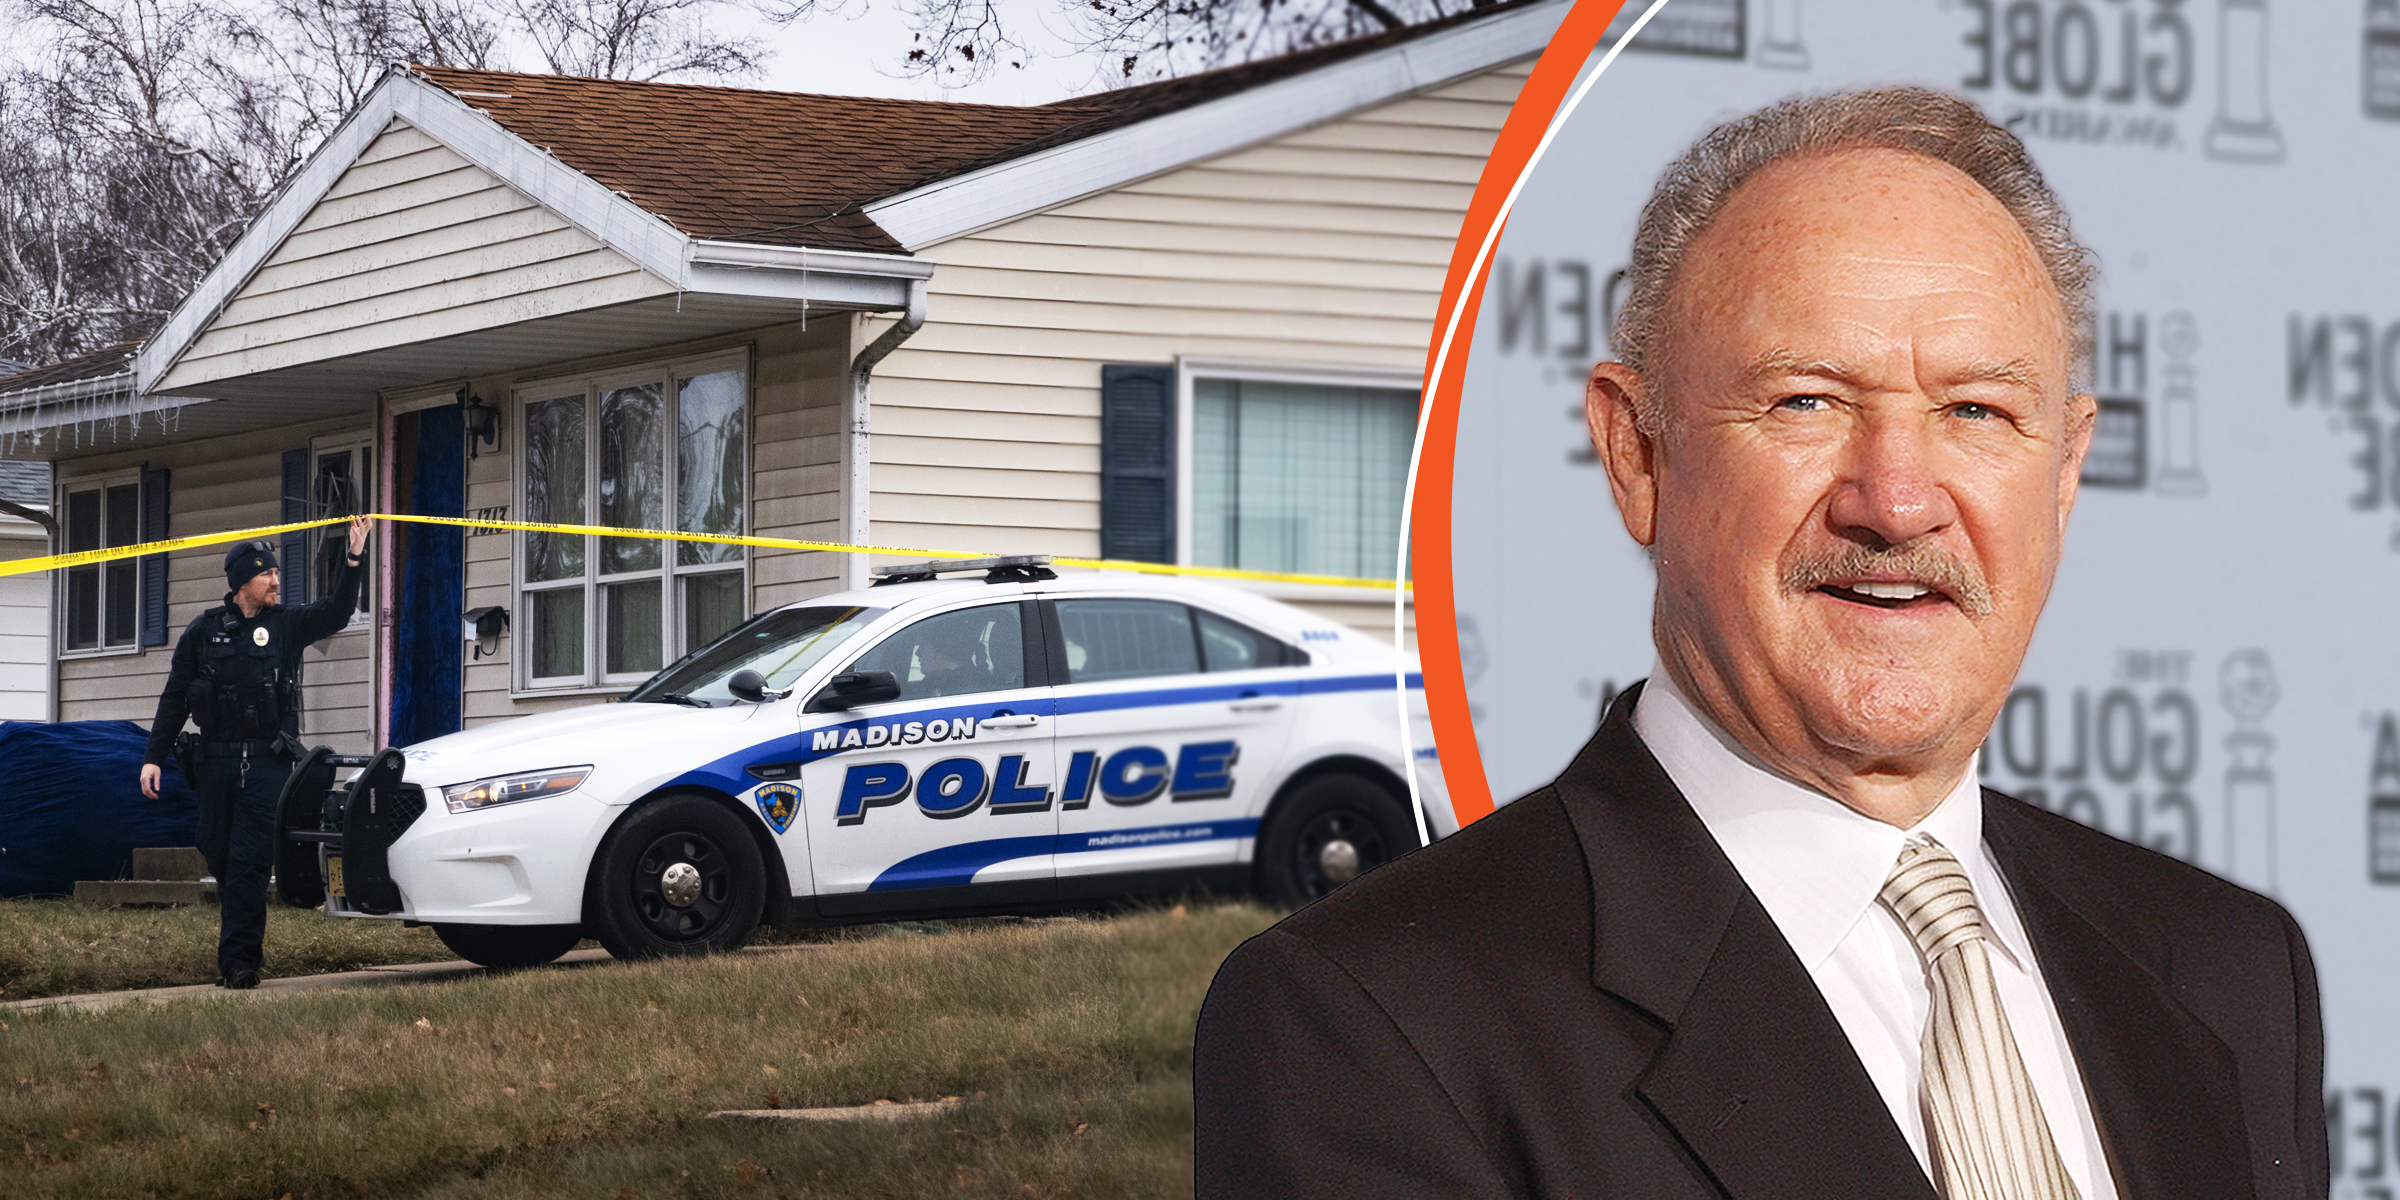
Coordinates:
1924 562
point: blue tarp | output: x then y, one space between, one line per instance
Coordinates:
71 804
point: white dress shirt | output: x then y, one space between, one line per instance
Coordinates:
1818 867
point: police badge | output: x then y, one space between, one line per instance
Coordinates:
777 802
259 635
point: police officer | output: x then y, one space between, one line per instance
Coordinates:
236 672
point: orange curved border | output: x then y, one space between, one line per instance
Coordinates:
1454 330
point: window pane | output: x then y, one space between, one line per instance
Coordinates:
83 601
1299 477
972 650
712 604
633 626
632 476
337 489
83 520
554 492
781 645
1126 639
708 487
557 632
1230 647
125 515
122 601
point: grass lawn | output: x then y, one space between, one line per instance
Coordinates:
59 947
1070 1043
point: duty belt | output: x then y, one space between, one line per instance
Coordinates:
268 747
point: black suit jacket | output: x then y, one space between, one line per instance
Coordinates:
1578 996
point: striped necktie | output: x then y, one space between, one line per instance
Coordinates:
1989 1139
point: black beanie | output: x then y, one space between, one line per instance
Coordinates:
246 560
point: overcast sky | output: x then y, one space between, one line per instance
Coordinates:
859 54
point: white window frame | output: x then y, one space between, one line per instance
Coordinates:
100 483
361 446
592 385
1190 370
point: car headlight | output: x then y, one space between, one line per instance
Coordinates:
508 789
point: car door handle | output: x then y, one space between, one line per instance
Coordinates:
1257 706
1016 721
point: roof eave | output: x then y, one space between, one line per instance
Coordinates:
877 281
993 195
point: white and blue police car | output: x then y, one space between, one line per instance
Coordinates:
1007 742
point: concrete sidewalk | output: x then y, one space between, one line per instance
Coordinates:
276 989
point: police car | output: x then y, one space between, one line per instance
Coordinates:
1008 741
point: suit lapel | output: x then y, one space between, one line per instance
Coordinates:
1755 1076
2162 1084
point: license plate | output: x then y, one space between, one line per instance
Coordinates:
333 876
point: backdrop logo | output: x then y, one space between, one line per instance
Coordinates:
2243 130
1562 312
2348 367
2101 72
2379 83
2121 72
2383 802
2134 383
2246 687
1710 28
2122 758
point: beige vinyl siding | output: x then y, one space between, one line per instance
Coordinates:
24 626
796 383
214 485
412 243
1324 248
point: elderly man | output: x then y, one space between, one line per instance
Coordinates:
1766 937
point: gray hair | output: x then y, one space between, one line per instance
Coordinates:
1919 120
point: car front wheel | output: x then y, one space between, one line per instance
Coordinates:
1328 832
679 876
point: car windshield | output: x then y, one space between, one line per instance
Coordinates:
780 645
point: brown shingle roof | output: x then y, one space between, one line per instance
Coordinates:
96 364
792 169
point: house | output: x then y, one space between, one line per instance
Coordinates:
1182 322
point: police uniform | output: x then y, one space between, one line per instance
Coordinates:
239 679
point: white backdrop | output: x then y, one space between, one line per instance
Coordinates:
2218 673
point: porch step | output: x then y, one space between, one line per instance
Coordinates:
146 893
169 862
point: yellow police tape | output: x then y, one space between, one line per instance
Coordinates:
79 558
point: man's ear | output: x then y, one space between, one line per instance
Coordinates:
2083 412
1612 406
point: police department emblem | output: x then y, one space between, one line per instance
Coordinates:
259 635
777 802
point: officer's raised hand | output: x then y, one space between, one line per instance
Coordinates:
359 528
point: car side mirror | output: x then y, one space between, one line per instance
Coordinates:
748 685
853 688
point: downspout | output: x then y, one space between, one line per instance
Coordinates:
855 419
48 523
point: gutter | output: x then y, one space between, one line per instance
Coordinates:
855 421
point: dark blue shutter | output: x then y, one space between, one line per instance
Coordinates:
1137 463
295 543
154 566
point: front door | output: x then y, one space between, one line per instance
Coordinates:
942 798
1168 720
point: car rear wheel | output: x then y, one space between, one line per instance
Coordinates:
509 945
1329 831
679 876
